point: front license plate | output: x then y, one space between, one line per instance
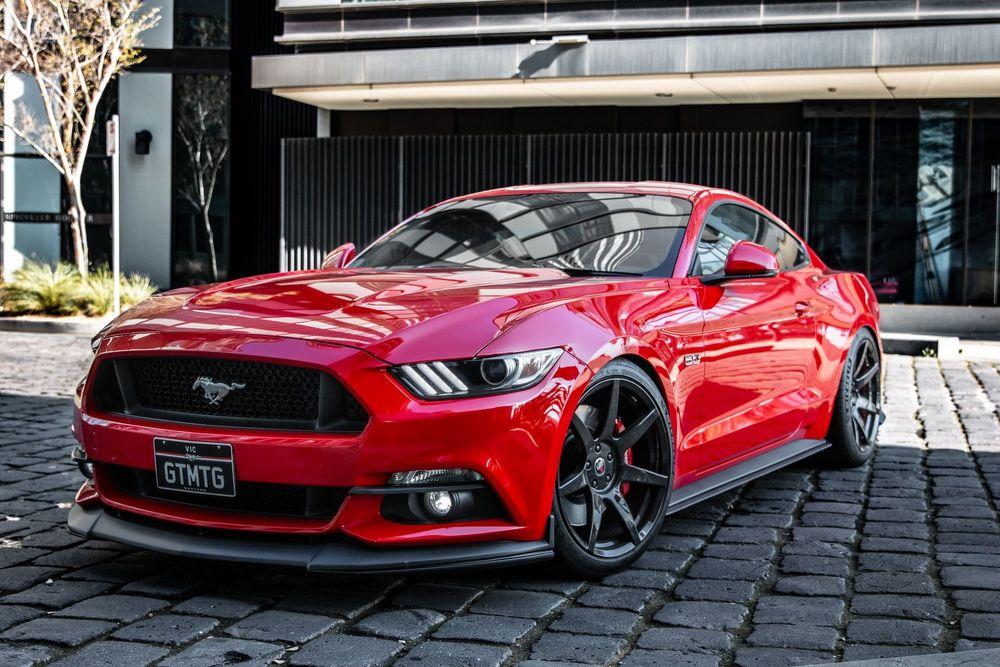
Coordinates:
194 467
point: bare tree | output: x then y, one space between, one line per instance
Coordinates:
202 125
71 49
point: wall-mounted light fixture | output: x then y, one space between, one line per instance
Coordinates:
143 138
562 40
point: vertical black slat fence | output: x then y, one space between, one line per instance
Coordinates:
336 190
436 168
355 188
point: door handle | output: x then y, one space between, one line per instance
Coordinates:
803 308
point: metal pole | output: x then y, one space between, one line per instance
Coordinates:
114 150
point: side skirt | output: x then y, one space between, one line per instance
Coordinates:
740 474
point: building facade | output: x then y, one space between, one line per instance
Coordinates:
196 68
871 126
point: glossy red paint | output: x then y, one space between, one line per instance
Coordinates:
770 351
340 257
750 259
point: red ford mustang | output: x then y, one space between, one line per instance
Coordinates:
503 377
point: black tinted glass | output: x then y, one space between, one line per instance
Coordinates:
727 224
599 232
724 226
789 252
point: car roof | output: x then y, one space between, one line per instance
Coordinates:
664 188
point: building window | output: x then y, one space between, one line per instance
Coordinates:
919 201
201 178
840 152
96 186
201 23
902 190
982 257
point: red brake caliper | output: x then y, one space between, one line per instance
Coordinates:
619 429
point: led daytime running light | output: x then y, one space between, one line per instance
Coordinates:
477 376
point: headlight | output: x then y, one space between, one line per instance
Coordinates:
475 377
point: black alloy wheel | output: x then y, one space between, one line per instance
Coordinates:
866 394
615 472
857 411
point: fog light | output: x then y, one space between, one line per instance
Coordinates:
441 506
438 503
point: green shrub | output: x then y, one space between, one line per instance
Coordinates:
136 288
96 296
42 289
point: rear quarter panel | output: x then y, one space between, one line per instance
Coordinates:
849 305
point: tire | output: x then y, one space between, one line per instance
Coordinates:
857 409
623 466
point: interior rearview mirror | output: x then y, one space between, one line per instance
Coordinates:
340 257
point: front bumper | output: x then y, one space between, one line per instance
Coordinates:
512 440
330 555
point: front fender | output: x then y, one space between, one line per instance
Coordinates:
657 327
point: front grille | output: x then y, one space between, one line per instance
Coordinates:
311 502
254 394
268 391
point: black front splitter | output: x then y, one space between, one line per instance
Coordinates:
334 555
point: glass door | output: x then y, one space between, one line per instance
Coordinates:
982 249
995 188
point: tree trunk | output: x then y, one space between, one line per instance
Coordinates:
78 228
211 242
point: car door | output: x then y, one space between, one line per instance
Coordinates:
755 345
799 334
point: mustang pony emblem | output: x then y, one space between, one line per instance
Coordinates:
215 391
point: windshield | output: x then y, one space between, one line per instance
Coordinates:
585 232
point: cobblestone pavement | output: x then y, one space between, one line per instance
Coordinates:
807 565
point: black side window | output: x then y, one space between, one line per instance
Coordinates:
724 226
786 248
727 224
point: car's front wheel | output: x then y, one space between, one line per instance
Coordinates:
615 473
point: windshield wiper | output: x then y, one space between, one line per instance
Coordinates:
576 271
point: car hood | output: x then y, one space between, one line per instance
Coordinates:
397 316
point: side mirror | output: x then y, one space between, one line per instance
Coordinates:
340 257
750 259
746 260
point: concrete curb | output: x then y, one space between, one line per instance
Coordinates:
80 326
981 322
915 345
961 659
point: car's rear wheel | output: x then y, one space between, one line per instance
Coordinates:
615 473
857 411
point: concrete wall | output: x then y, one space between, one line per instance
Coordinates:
335 22
963 321
30 185
161 36
144 103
